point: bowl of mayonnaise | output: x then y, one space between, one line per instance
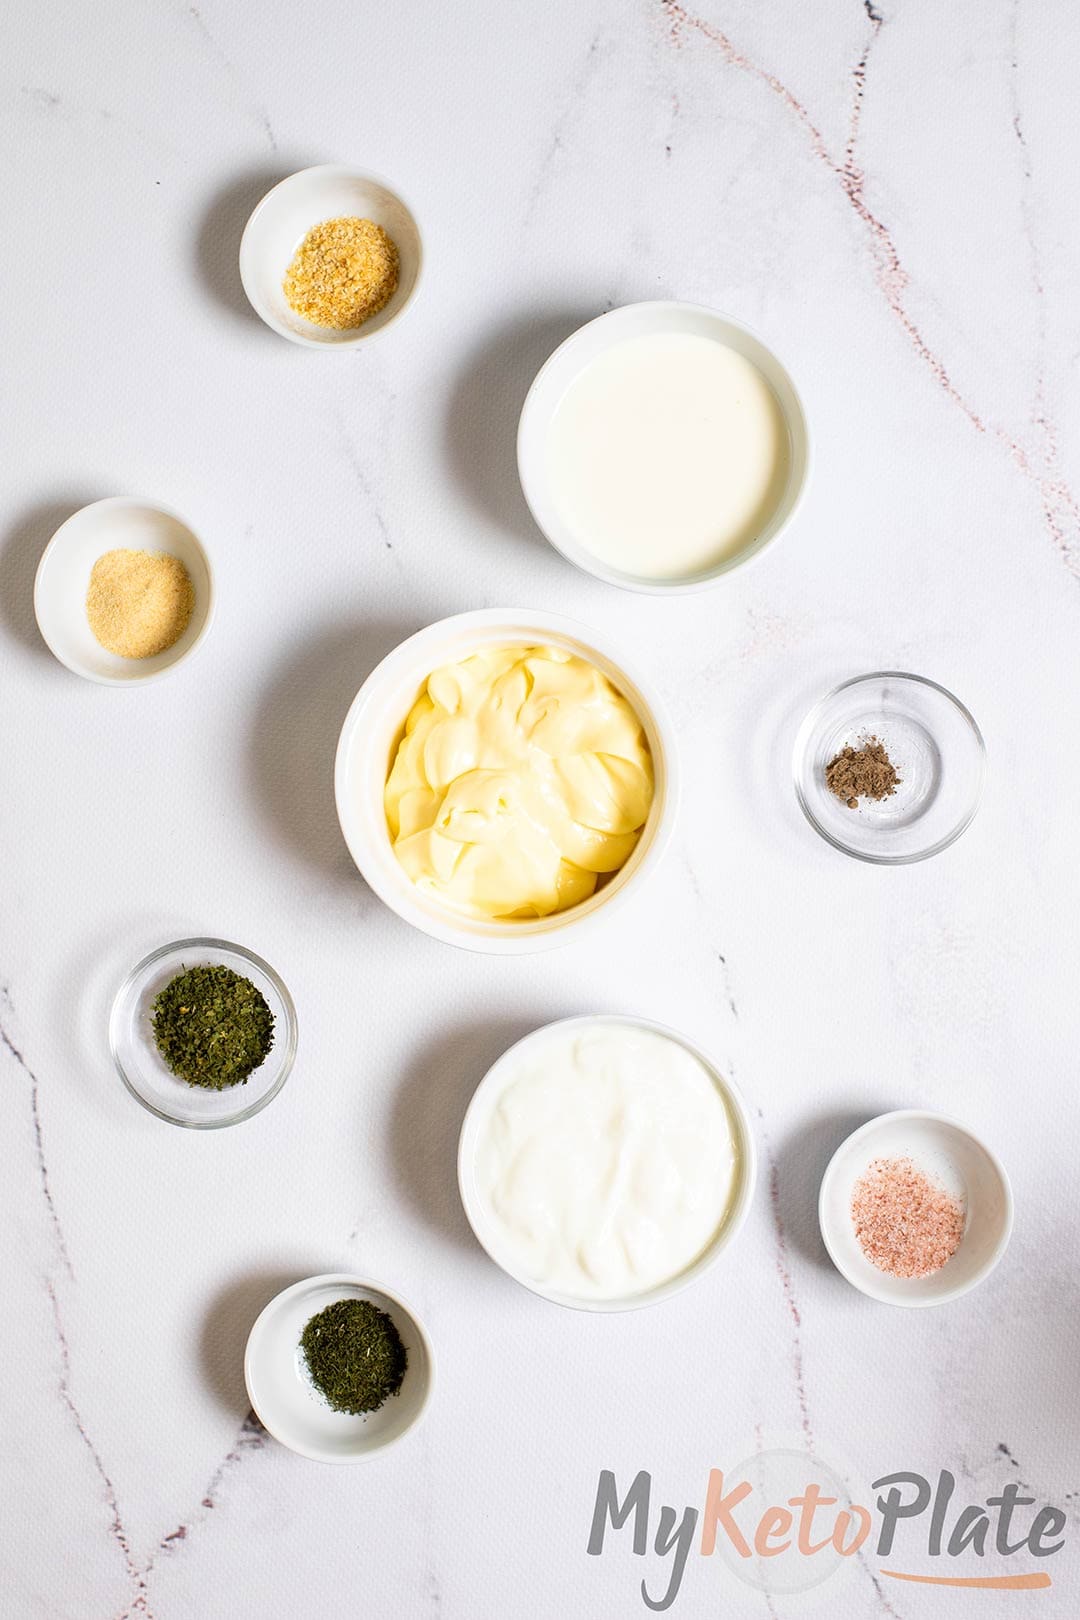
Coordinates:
605 1163
504 780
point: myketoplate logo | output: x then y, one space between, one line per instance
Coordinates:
786 1523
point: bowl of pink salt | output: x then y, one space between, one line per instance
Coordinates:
915 1209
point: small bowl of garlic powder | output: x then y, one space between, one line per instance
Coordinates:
124 591
330 257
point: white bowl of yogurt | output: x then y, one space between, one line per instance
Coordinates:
605 1163
662 445
372 737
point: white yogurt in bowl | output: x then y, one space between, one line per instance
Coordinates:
662 445
604 1162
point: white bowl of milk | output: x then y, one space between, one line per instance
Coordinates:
662 445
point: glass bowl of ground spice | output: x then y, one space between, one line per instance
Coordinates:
124 591
331 257
889 767
203 1033
915 1209
338 1368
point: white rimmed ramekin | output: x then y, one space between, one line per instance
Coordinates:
118 522
374 726
478 1115
586 345
281 221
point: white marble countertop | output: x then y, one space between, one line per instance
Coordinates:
888 193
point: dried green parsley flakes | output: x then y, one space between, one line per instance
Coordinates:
212 1026
355 1355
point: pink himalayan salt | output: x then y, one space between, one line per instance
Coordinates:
906 1224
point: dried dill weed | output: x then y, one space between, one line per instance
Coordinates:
344 271
139 602
354 1355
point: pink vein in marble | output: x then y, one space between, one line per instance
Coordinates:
1060 508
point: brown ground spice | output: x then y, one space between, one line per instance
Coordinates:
866 772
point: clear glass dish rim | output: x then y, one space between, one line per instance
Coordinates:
806 730
207 943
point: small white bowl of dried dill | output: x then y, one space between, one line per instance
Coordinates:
338 1368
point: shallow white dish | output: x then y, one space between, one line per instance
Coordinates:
281 1391
120 522
283 218
943 1149
374 726
566 364
485 1099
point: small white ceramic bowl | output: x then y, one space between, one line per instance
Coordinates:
281 221
478 1115
120 522
947 1152
375 724
579 350
288 1405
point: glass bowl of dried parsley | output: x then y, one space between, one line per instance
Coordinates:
203 1033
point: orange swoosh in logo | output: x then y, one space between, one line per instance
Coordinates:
989 1583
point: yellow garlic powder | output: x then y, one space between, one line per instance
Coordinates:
343 272
139 602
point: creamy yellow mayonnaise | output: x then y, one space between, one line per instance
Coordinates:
522 776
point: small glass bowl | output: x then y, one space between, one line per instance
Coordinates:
145 1073
935 746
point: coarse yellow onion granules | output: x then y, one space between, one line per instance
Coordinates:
139 602
344 271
